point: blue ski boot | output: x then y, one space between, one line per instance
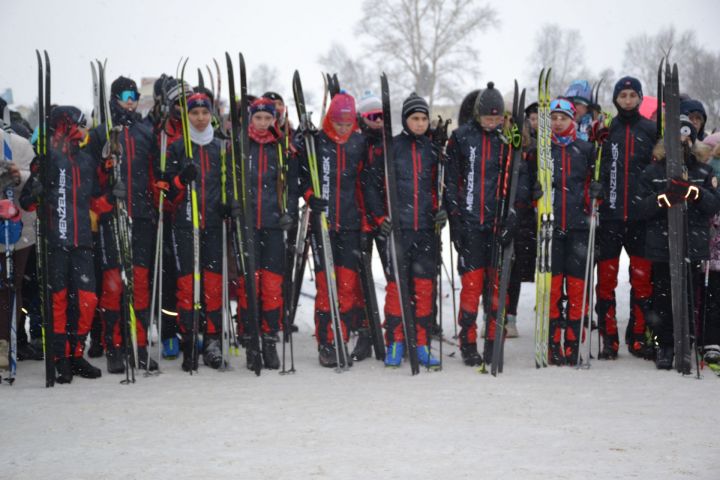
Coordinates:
394 355
425 358
171 348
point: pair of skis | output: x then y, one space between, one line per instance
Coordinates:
545 222
504 255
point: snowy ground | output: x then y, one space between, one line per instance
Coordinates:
620 419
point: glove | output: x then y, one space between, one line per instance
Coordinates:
231 210
537 191
36 190
439 133
678 190
304 130
386 227
286 222
441 218
8 210
509 230
188 174
317 204
599 132
596 190
119 190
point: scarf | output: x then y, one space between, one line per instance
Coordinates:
202 138
261 136
330 131
567 137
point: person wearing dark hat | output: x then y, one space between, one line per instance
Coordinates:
626 151
272 220
136 161
341 163
205 169
71 282
280 111
695 111
697 189
417 215
573 189
476 153
579 92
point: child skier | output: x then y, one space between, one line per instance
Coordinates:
73 189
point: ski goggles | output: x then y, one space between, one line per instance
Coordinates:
373 116
561 105
127 95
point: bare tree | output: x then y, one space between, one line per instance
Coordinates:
563 51
355 76
427 45
703 83
263 78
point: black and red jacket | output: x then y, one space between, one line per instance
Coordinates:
343 179
139 151
572 173
416 169
476 158
265 184
627 151
208 183
72 191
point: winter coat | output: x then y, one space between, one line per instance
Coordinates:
572 173
653 182
626 152
22 155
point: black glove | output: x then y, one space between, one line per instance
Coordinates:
188 174
509 230
385 227
537 191
231 210
304 130
317 204
441 218
286 222
596 190
678 190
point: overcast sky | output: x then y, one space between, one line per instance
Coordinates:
147 37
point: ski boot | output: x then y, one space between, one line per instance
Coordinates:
637 347
711 354
610 347
212 353
269 351
115 363
571 352
63 370
171 348
96 349
84 369
425 357
470 355
327 356
143 358
363 346
394 355
665 356
25 351
555 354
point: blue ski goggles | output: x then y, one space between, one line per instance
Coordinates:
128 95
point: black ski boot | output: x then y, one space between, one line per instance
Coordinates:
665 356
144 357
470 355
95 350
63 370
363 346
610 347
326 355
25 351
115 361
488 351
269 352
212 354
637 346
82 368
555 354
190 354
571 352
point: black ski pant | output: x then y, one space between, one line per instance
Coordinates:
19 260
662 301
710 312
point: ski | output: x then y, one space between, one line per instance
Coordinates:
508 190
372 310
324 248
44 159
400 271
545 221
677 224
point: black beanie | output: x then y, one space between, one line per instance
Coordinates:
489 102
628 83
122 84
273 96
414 104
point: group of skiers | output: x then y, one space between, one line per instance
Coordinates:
176 164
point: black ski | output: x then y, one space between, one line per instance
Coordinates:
677 224
507 207
372 310
44 160
394 244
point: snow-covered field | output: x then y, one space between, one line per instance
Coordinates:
620 419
